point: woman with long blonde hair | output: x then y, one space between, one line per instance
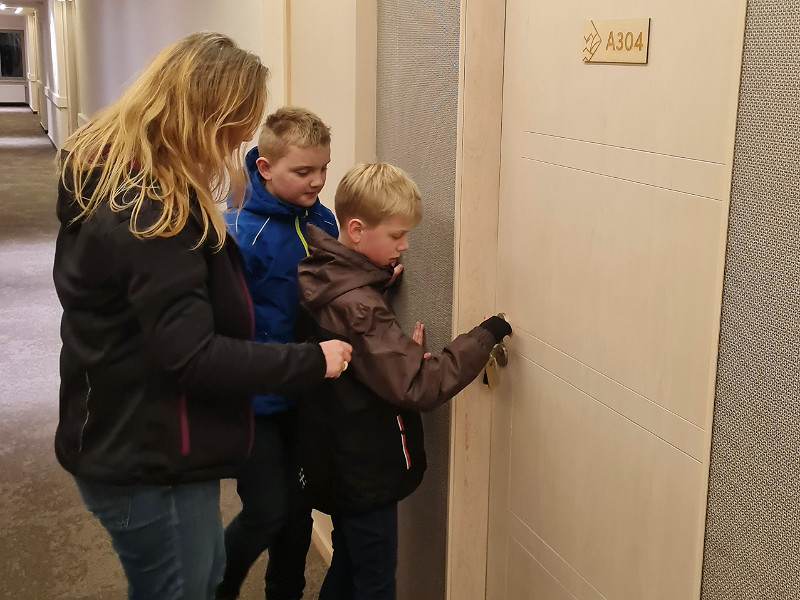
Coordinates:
157 363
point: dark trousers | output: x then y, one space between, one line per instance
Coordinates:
364 556
273 517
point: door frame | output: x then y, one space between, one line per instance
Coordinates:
475 274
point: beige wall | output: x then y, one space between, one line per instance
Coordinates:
330 68
332 72
115 40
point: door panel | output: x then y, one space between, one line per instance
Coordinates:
577 485
614 186
660 107
529 577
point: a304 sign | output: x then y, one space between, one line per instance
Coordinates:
616 41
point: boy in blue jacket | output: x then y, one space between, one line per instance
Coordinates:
287 171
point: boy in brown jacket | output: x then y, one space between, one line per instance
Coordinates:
361 442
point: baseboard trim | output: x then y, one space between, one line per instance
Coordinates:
322 543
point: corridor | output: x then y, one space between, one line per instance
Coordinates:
51 546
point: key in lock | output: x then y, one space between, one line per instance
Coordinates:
497 358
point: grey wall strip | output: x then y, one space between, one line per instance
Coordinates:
752 549
418 48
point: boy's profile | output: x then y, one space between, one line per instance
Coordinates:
361 437
286 173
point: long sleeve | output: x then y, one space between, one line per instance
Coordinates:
391 363
168 291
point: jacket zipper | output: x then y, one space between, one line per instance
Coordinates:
403 440
184 424
86 421
300 233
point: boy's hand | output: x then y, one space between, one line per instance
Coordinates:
419 335
397 270
337 357
498 327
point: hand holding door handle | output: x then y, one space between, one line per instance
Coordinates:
499 355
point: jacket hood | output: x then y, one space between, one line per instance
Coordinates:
259 200
332 269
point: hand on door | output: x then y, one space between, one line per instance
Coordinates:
500 328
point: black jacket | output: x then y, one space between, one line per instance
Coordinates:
157 370
361 437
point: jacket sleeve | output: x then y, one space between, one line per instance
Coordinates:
167 289
391 363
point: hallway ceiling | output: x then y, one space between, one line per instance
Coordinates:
23 3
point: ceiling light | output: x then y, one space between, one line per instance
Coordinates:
2 6
19 10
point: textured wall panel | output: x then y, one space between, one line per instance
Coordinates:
752 549
418 45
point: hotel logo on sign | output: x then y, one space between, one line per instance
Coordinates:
616 41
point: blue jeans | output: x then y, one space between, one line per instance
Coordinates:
364 556
168 538
274 516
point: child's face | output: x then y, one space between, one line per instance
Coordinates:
383 243
299 176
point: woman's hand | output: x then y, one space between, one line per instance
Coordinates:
337 357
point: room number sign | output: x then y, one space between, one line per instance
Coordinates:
616 41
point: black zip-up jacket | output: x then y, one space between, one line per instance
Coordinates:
157 370
361 438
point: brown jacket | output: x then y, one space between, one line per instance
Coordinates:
362 433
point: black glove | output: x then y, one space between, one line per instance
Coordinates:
498 327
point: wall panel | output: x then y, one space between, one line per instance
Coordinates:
417 104
752 549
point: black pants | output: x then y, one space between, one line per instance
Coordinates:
273 517
364 556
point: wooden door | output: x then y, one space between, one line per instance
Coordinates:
612 216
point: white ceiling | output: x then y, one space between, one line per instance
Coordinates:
12 4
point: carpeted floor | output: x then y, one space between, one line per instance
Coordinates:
50 546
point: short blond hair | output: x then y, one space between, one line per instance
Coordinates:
374 192
291 126
177 131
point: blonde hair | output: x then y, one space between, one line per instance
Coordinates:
291 126
374 192
178 130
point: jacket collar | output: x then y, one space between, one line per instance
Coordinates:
332 269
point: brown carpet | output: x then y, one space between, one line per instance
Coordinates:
50 546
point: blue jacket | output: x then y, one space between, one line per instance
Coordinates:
271 236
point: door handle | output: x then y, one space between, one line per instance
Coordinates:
500 352
498 357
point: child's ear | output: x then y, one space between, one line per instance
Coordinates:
354 229
264 168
